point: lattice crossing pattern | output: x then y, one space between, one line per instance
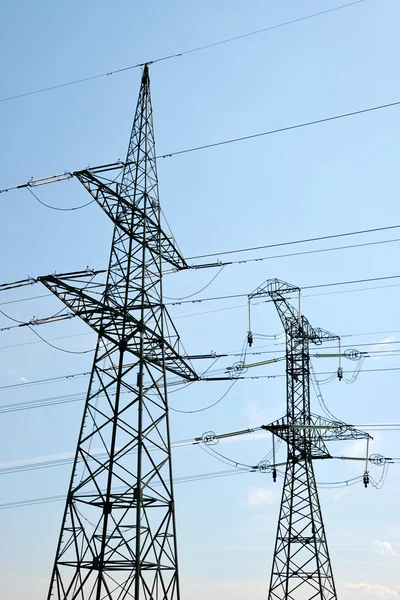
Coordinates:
301 568
118 537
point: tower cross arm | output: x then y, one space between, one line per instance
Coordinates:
295 324
273 286
121 327
316 428
124 213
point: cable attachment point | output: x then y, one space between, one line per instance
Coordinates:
366 479
352 354
263 466
209 438
250 339
274 475
377 459
236 369
340 373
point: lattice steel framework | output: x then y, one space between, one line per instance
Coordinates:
301 567
118 536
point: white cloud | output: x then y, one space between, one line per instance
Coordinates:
387 341
384 345
384 548
258 496
371 591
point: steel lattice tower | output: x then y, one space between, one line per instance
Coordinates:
301 567
118 535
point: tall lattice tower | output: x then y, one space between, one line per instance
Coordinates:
118 537
301 567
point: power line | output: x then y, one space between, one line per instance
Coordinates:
183 53
58 462
63 337
184 479
282 129
26 299
57 207
205 379
187 479
205 407
21 467
226 308
238 139
323 373
302 253
306 287
48 343
69 315
301 241
245 261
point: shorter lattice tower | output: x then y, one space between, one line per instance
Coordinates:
301 567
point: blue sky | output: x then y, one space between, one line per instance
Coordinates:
334 177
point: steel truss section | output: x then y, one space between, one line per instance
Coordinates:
301 567
118 537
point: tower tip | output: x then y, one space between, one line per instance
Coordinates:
146 76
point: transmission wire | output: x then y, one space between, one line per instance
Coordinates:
199 291
57 207
183 53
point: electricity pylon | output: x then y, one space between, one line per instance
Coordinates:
301 567
118 536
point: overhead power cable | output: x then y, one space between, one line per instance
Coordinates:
184 479
33 465
205 379
187 479
303 287
42 339
206 407
25 299
201 290
67 315
337 117
294 242
80 396
230 263
57 207
183 53
292 254
282 129
62 337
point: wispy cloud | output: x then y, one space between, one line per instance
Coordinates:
384 345
371 591
384 548
258 496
